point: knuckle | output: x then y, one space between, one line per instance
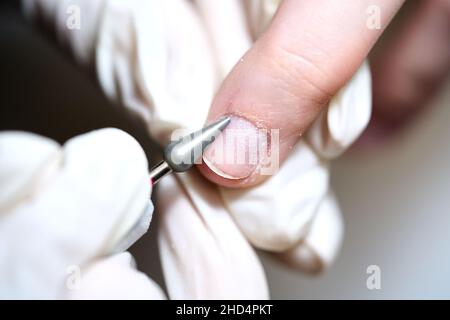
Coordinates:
301 72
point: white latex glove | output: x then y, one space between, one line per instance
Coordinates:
163 60
65 212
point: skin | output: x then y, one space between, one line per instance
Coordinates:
409 68
309 51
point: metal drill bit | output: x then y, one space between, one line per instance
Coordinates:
181 155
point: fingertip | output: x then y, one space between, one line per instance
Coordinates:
224 181
235 158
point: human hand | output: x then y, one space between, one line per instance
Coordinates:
308 52
161 63
409 68
68 213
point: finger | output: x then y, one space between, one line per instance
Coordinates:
225 24
277 223
345 118
320 246
109 169
114 278
310 50
283 222
74 21
80 39
203 253
20 172
153 58
259 13
409 68
83 203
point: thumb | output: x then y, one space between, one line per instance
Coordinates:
309 52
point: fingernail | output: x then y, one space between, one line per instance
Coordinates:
237 152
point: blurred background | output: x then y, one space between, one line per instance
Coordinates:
395 198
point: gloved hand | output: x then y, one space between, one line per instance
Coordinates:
164 61
67 213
